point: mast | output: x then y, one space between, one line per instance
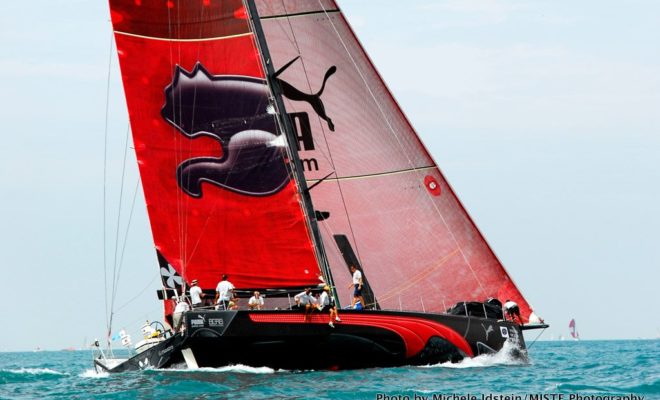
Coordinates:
287 128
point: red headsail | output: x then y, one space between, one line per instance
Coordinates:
214 169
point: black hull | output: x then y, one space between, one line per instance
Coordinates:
364 339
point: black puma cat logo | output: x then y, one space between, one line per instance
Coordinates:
235 111
314 99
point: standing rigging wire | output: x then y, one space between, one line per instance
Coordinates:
123 249
110 293
115 278
132 299
105 179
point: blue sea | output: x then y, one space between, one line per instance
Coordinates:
585 370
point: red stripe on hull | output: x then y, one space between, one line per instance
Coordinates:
415 332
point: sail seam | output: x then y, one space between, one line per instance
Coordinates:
403 171
183 40
301 14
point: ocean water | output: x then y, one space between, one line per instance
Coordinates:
595 370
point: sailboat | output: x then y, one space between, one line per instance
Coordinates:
573 330
271 151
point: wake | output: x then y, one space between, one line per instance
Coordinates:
92 373
509 355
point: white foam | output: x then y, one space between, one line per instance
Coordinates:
36 371
92 373
238 368
244 369
506 356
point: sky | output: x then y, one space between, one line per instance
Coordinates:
543 115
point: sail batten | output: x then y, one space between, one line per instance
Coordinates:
300 14
403 171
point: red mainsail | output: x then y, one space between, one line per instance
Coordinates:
417 246
216 178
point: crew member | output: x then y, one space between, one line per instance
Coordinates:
196 295
357 286
327 303
305 301
256 302
182 306
223 293
512 310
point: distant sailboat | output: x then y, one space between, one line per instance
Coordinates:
573 330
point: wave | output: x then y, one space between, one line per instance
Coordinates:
29 375
647 388
650 388
33 371
509 355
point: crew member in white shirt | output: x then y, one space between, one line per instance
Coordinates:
256 302
327 303
196 295
512 310
181 307
357 286
305 301
223 293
